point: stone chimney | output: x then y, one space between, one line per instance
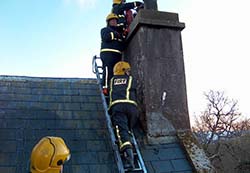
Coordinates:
156 56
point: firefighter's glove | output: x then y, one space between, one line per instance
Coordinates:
125 33
105 91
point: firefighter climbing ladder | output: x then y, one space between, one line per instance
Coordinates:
139 164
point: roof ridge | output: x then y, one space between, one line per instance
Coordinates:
42 79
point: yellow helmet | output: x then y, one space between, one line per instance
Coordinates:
111 16
49 155
117 1
121 67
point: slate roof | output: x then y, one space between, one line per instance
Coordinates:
32 107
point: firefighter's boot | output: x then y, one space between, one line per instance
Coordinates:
129 159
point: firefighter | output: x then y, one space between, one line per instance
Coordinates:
120 8
123 108
112 47
49 155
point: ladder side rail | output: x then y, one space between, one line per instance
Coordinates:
139 154
108 120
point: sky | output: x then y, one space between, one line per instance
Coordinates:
58 38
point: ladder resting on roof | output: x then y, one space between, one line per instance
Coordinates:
139 163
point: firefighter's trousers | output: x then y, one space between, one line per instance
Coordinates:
124 116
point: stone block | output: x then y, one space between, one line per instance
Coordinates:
195 152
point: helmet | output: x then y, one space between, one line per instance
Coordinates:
49 155
111 16
121 67
117 1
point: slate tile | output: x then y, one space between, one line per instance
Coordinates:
96 145
150 155
76 145
149 167
84 158
76 168
162 166
181 165
105 157
104 168
8 159
171 153
8 146
9 169
7 134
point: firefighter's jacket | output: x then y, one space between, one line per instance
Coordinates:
122 90
119 10
112 41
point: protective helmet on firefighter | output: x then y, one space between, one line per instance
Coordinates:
111 16
49 155
118 1
121 67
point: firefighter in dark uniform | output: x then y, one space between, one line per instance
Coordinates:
120 8
123 108
111 49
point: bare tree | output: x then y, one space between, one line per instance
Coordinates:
219 119
222 120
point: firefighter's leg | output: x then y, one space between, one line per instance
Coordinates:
109 59
133 115
112 60
120 121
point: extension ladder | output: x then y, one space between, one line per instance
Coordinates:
139 163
